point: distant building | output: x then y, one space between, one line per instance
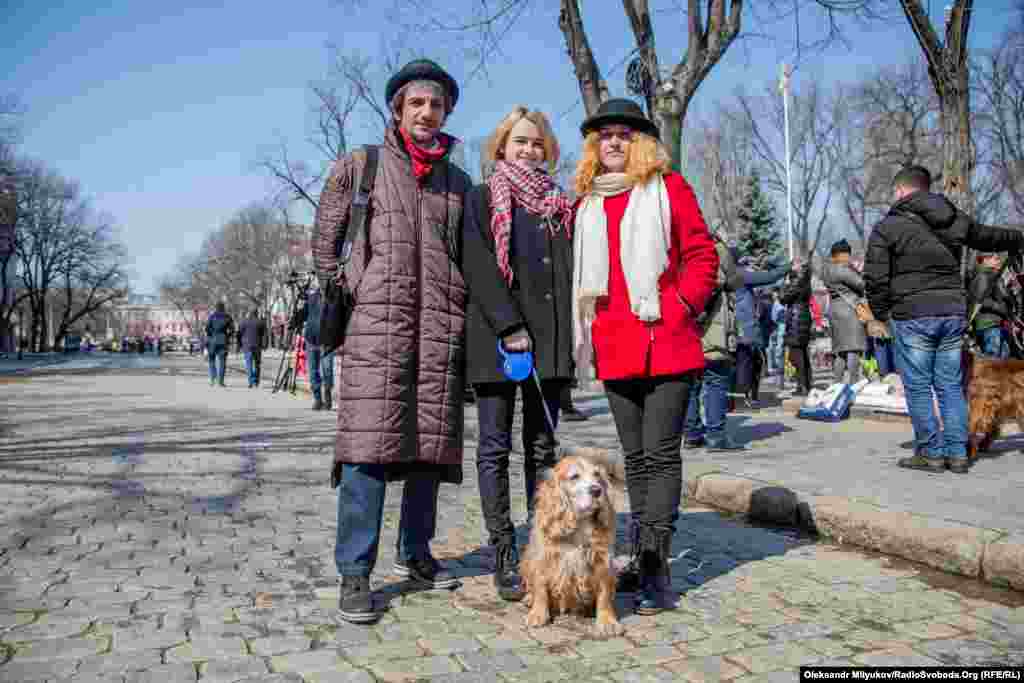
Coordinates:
145 314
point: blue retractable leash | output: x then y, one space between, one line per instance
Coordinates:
517 366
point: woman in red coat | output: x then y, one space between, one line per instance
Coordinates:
644 268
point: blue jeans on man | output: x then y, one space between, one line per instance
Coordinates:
361 510
884 353
993 342
928 353
321 370
713 393
217 357
252 367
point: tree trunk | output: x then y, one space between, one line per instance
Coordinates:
958 152
593 89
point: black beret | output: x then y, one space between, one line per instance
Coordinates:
421 70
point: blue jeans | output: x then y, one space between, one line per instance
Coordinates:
713 393
250 366
321 370
928 353
218 358
361 510
993 342
776 351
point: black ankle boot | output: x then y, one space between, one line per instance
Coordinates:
656 579
629 577
506 572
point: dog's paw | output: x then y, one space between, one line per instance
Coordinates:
608 628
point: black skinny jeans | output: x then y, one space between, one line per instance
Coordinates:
649 415
495 405
800 357
749 366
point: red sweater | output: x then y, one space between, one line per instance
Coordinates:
626 347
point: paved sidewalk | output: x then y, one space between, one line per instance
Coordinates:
159 529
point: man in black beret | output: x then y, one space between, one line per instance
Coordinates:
401 366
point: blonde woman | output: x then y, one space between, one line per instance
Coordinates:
517 244
645 267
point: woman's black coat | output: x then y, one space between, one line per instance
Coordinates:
796 296
539 298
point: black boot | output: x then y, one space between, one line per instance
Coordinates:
629 577
328 405
355 600
506 571
656 582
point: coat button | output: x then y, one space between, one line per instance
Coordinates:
548 296
546 260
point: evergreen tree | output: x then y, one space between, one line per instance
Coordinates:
759 236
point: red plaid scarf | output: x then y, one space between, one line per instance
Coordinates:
424 159
535 191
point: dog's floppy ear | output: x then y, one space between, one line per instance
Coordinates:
611 461
556 515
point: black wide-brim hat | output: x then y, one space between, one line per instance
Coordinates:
421 70
622 111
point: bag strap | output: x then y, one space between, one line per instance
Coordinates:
360 205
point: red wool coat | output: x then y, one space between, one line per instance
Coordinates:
626 347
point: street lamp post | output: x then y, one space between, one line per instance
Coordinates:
784 87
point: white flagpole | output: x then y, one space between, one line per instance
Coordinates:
784 87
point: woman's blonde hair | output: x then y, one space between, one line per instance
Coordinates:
645 156
495 147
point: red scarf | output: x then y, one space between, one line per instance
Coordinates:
424 159
535 191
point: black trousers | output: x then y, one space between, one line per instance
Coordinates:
649 416
800 357
495 405
749 367
257 359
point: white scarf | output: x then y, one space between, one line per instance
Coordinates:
644 239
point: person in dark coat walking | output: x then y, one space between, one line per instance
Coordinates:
250 341
796 297
321 364
219 329
750 341
845 290
913 280
517 236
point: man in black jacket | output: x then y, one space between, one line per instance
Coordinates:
913 280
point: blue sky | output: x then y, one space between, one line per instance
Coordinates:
160 109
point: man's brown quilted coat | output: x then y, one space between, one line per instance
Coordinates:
400 370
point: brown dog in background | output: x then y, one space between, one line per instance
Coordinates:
567 565
995 394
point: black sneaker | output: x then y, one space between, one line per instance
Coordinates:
919 461
958 465
355 600
506 572
318 404
573 415
725 445
427 571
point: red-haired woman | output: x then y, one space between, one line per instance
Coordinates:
644 269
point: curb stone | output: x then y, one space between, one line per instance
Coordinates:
991 555
988 554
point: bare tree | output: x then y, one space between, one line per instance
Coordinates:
883 122
185 291
949 70
712 27
62 247
999 79
722 160
812 156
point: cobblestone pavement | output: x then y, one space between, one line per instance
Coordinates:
159 529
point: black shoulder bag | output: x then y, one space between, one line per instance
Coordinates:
338 297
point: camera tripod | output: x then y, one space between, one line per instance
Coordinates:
286 374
